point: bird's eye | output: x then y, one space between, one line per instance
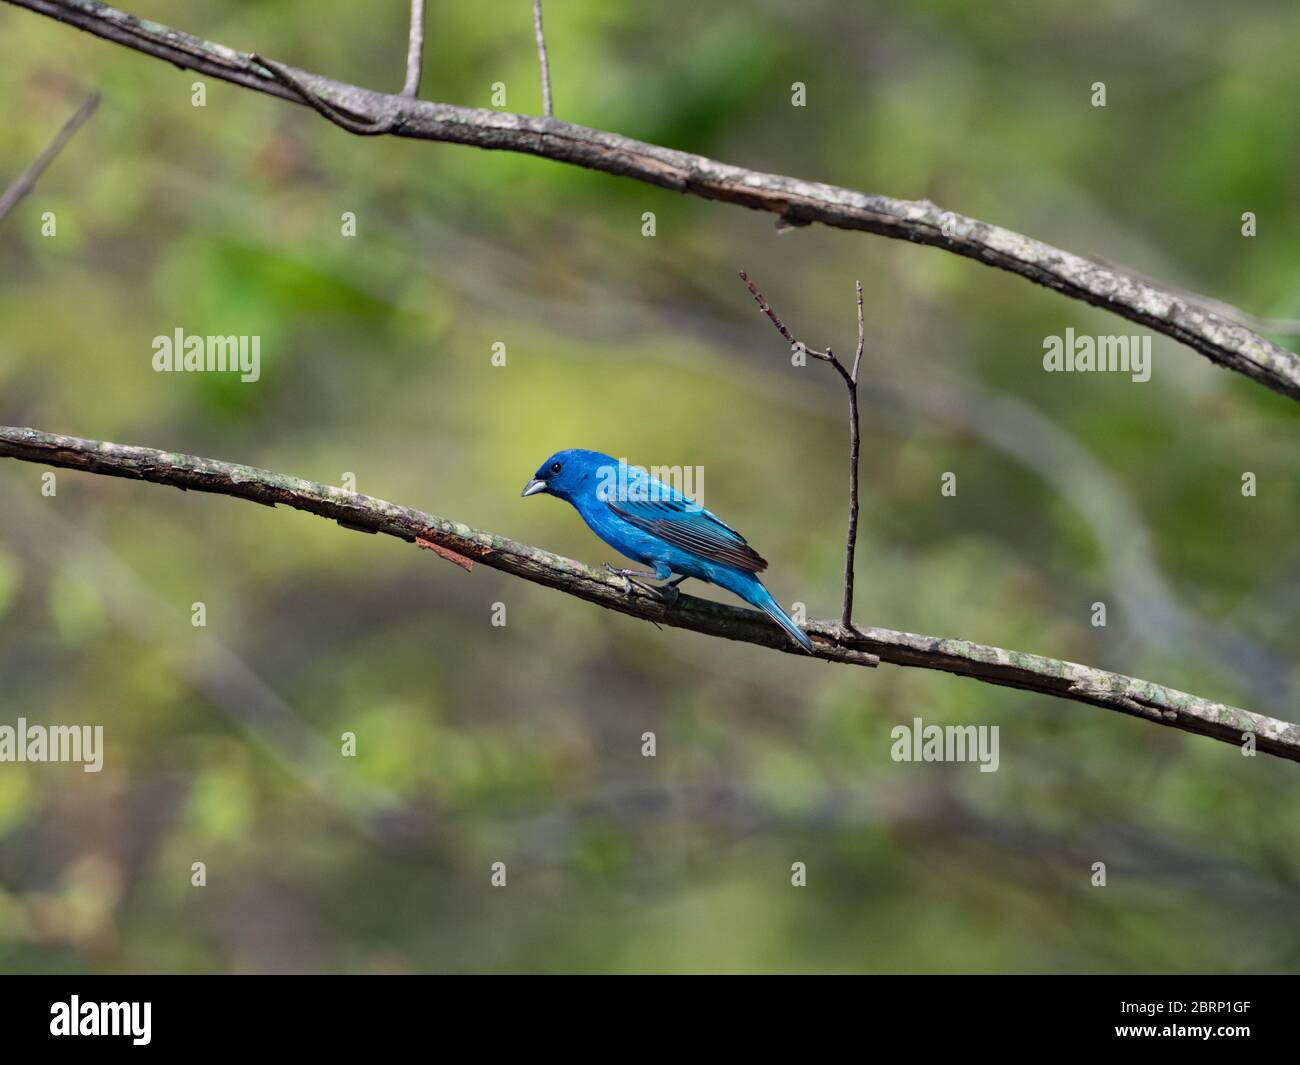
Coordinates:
555 467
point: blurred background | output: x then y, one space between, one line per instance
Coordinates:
522 744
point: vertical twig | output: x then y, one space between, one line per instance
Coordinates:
415 49
850 379
862 333
547 109
26 181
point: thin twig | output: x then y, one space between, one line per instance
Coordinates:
547 109
414 50
1216 334
851 383
766 308
855 436
26 181
992 665
799 345
862 334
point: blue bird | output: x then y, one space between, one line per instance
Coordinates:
648 521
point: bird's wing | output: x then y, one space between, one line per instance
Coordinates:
682 524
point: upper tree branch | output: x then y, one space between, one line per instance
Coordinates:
1186 319
993 665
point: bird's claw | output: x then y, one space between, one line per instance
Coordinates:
627 581
667 593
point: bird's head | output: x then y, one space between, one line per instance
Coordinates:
568 474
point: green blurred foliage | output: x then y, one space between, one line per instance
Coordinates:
479 743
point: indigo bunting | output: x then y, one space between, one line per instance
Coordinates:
648 521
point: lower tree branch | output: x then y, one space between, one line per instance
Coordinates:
993 665
1213 331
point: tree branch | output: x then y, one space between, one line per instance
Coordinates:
547 109
993 665
1188 320
26 181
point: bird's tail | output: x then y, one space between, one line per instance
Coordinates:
762 598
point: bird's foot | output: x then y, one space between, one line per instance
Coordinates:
629 576
627 581
667 592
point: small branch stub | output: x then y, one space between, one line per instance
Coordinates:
467 564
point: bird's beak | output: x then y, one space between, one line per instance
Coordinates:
533 487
